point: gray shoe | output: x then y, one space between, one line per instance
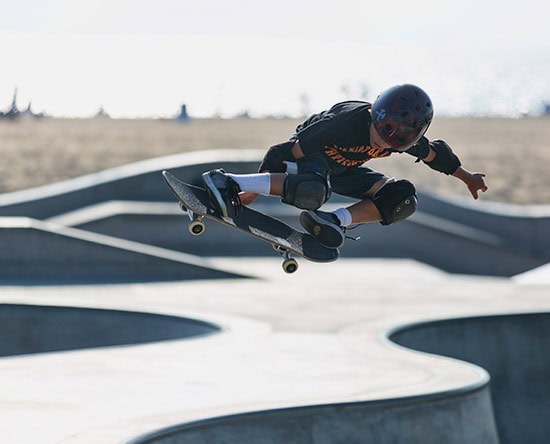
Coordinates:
325 227
223 191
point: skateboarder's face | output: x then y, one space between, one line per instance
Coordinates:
375 140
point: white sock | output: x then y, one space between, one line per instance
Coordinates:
344 216
255 183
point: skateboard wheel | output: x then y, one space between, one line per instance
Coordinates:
182 208
196 227
290 265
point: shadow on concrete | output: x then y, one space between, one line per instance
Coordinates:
27 329
39 253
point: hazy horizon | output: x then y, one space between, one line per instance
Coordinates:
146 58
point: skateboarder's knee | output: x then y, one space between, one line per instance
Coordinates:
307 191
395 201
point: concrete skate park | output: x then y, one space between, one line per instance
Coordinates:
119 326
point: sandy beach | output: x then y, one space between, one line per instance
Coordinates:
514 153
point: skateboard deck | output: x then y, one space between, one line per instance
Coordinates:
284 238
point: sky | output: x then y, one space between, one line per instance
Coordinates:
140 58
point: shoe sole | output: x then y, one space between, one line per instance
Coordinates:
215 195
322 230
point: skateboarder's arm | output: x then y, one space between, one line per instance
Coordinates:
297 150
440 157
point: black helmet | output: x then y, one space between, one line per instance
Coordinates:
401 115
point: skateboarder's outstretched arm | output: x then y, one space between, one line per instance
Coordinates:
440 157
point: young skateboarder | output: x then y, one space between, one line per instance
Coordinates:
327 154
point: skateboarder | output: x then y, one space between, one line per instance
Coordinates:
327 153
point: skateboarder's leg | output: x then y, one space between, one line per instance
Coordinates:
325 227
329 227
306 188
223 191
382 199
266 184
232 190
387 201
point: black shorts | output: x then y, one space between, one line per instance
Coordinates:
351 182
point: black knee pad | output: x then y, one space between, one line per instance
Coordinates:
307 191
396 201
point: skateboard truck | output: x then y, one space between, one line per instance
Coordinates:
290 265
196 226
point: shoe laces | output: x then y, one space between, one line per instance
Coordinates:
352 227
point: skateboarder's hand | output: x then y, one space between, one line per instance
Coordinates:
474 181
248 198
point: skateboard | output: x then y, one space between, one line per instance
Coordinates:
286 240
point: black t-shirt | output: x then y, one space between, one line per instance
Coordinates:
342 135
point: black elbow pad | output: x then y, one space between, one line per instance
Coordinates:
445 160
420 150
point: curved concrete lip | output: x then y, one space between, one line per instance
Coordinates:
512 347
113 177
501 343
293 421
